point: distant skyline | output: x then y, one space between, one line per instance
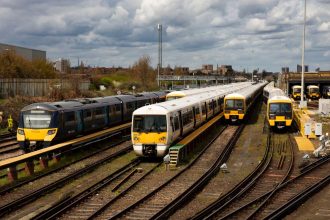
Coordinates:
247 34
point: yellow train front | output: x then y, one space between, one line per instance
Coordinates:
313 92
279 107
38 126
237 104
296 92
235 107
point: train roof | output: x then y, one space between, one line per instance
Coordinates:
296 86
312 86
173 105
245 92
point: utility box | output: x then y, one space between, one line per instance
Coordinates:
308 128
324 106
318 129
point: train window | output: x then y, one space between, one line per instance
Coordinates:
149 123
176 123
197 110
99 111
172 124
87 113
187 117
130 105
36 119
234 104
69 116
203 109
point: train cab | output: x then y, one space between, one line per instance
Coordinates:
313 92
234 107
296 92
326 91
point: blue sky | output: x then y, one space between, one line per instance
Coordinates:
250 34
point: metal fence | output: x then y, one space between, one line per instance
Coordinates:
39 87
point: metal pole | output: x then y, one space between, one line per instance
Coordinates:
303 59
159 50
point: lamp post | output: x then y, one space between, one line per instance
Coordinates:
159 51
302 103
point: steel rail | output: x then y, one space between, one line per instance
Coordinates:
286 176
7 189
46 189
121 213
293 203
311 168
239 188
60 208
187 194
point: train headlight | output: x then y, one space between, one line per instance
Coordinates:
271 116
20 131
227 112
136 139
162 139
50 132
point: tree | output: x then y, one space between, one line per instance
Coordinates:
143 71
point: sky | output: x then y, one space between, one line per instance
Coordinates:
247 34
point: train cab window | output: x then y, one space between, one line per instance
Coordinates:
149 123
234 104
37 119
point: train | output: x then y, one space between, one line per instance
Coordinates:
238 104
279 107
48 123
195 91
313 92
326 91
156 127
296 92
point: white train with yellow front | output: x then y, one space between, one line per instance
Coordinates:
237 104
279 107
155 127
196 91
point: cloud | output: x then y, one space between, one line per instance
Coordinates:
242 33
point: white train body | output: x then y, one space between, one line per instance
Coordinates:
156 127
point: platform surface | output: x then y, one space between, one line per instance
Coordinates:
304 144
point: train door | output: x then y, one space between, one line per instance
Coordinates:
206 111
180 122
80 125
194 116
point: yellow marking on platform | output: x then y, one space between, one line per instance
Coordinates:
24 157
200 130
304 144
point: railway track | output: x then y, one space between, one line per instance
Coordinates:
28 191
274 168
87 202
182 185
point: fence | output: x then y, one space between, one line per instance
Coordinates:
39 87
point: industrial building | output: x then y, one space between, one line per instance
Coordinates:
27 53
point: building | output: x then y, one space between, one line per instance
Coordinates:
62 65
178 70
207 69
299 69
226 70
27 53
285 70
